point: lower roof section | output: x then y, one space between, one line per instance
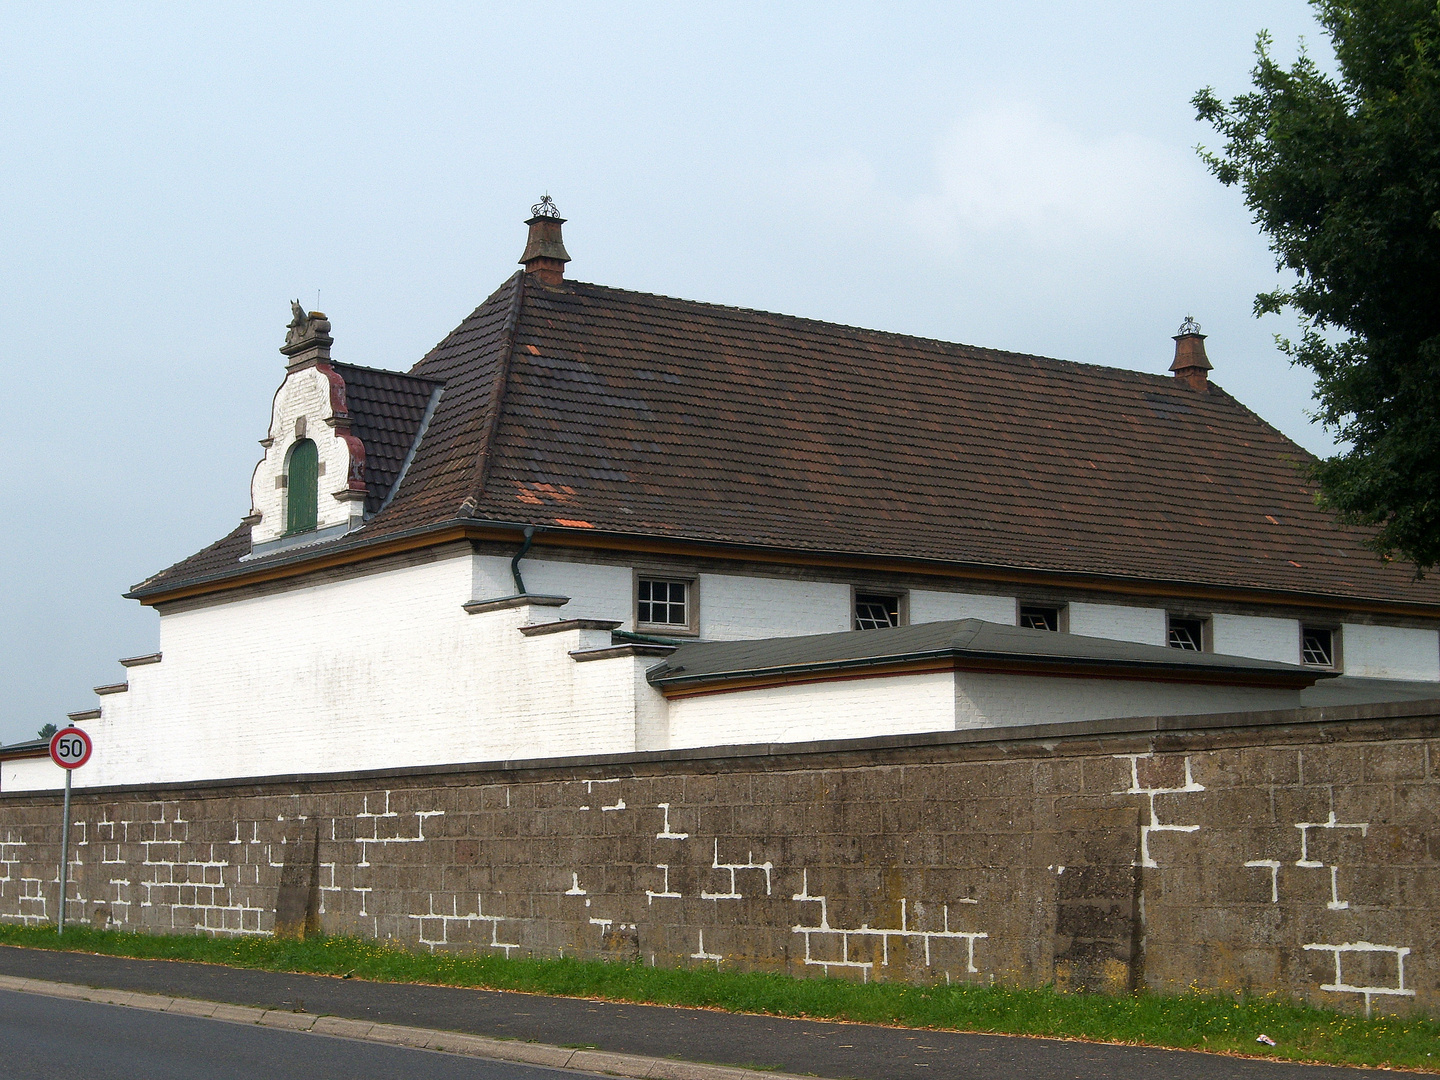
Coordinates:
966 644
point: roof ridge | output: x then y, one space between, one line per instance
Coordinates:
1162 378
497 392
499 289
384 371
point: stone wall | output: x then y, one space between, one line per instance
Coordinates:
1296 851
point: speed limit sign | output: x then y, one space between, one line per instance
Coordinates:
70 748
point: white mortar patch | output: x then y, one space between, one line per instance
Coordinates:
866 931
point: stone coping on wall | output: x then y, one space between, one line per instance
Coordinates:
1020 740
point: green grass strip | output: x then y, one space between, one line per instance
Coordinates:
1194 1021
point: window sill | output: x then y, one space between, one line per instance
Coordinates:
666 630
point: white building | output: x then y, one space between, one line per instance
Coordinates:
592 521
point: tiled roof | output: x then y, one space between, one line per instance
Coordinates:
386 410
585 407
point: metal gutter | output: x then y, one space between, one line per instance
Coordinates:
515 562
322 554
569 536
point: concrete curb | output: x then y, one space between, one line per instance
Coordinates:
447 1042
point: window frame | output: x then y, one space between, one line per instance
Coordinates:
900 596
289 488
1207 633
692 602
1336 642
1062 613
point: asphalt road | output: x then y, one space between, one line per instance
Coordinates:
57 1039
797 1046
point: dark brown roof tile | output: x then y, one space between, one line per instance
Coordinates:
590 407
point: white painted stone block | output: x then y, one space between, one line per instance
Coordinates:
652 711
1390 652
734 608
30 774
596 591
379 671
993 700
844 709
1119 623
387 669
1255 636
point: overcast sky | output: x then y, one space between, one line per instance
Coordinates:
1015 175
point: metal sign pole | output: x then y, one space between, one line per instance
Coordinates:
64 852
69 749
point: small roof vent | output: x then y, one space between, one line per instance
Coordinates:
1191 366
545 255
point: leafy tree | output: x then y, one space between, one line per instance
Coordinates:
46 731
1343 176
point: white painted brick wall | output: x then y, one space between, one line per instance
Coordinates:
986 700
388 670
490 577
372 672
734 608
596 591
929 606
652 712
1257 637
939 701
849 709
31 774
1119 623
1390 652
303 393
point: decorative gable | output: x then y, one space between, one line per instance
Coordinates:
310 486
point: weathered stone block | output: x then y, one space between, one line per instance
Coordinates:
986 823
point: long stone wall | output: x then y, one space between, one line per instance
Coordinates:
1297 852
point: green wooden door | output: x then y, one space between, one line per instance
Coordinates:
302 487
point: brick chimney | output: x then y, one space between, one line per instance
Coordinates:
307 337
545 255
1191 364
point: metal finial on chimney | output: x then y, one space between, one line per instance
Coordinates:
1189 326
545 255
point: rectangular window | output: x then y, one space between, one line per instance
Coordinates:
663 603
1186 633
1040 617
875 611
1317 646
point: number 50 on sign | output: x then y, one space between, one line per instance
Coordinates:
70 748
